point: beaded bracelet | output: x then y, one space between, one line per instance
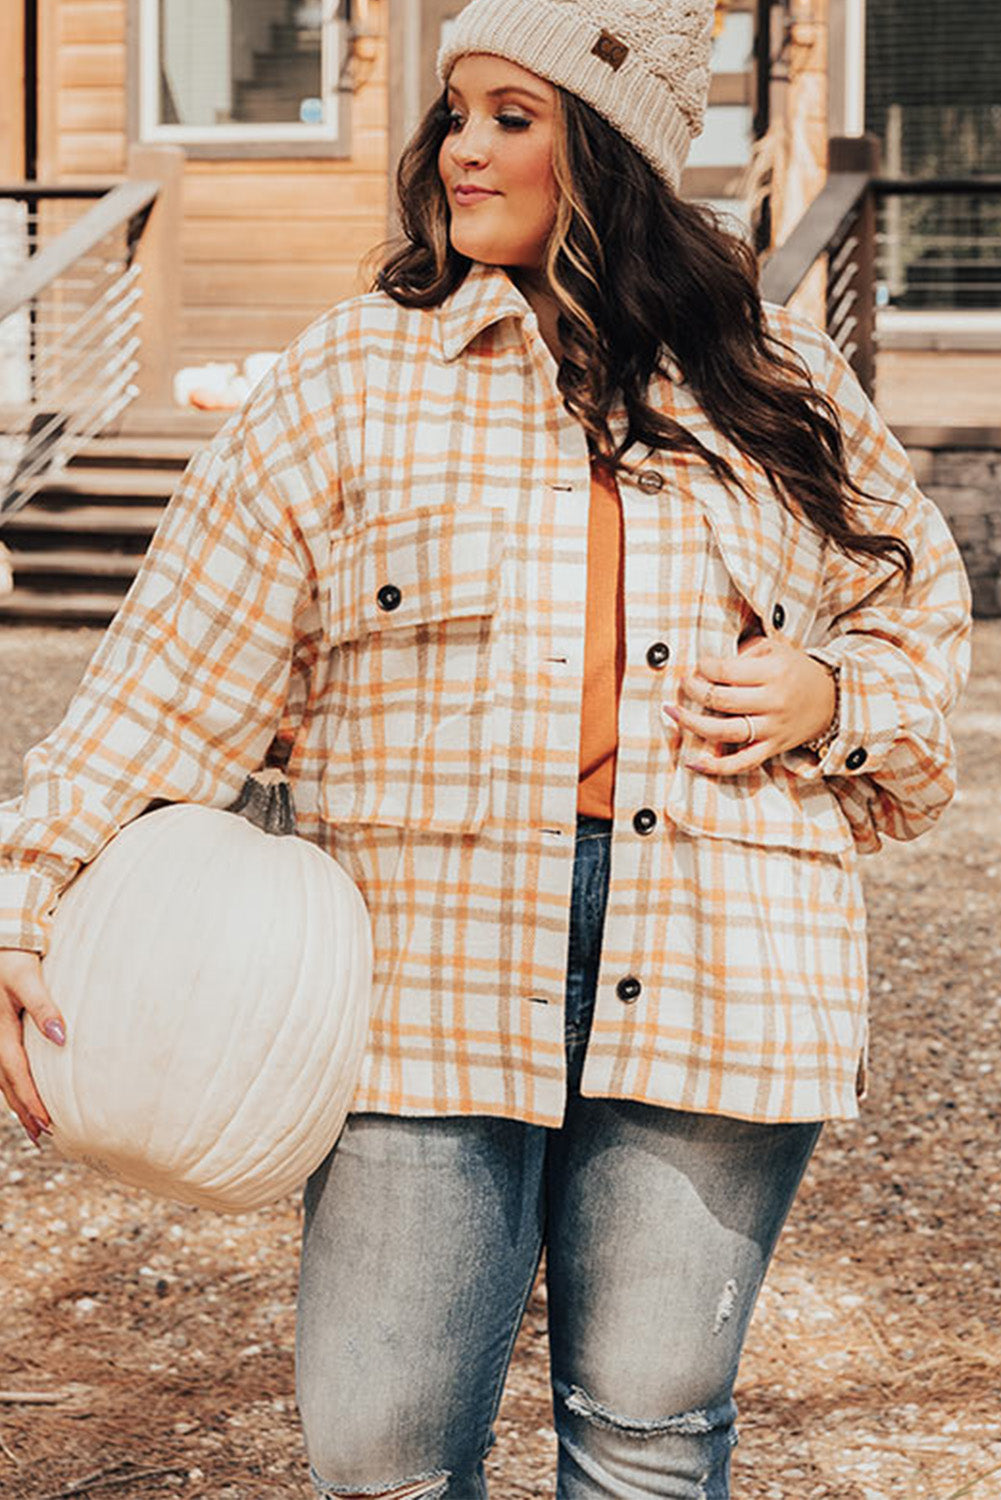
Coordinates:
821 741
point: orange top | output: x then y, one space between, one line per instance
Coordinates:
604 646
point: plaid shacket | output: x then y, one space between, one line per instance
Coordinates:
375 576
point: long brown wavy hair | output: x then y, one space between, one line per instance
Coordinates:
637 270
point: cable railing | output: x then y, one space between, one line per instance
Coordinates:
878 255
69 323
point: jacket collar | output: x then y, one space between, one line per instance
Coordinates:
485 297
488 295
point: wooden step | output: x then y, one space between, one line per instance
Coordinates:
61 608
110 483
157 422
78 562
77 546
146 453
131 520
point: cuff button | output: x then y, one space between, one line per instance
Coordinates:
389 597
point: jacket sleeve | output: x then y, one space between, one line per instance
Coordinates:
902 651
186 689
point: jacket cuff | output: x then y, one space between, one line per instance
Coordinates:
27 901
869 719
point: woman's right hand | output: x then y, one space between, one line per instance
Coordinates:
23 992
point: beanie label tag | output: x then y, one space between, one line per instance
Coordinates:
611 50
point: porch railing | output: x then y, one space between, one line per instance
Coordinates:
72 302
855 226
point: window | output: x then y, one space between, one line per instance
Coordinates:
933 99
232 73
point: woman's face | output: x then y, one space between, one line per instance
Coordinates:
500 138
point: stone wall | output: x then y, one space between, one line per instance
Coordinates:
961 471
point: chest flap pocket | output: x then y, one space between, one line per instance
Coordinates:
411 599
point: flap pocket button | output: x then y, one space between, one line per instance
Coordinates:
389 597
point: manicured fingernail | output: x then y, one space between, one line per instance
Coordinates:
671 711
33 1138
55 1032
40 1124
695 765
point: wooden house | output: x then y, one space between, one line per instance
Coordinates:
269 132
287 117
272 128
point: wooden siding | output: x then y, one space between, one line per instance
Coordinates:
266 244
11 92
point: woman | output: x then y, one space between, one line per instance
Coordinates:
598 622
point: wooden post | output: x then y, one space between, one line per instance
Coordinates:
12 92
159 256
861 153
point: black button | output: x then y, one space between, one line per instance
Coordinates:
650 481
857 758
645 821
778 616
389 597
628 989
658 655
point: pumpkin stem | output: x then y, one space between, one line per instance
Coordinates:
266 801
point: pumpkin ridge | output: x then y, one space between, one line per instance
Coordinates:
249 1099
262 1166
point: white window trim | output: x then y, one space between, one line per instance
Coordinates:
846 65
152 132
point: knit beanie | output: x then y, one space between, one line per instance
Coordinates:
642 64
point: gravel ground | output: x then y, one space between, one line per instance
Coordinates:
161 1337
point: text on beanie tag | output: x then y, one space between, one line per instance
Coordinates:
611 50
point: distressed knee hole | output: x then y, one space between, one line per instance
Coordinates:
426 1487
726 1305
699 1421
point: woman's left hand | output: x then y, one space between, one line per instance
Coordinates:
770 688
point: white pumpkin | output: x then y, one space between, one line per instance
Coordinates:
216 982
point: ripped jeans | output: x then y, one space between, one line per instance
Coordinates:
422 1238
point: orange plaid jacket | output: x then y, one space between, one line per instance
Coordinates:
375 577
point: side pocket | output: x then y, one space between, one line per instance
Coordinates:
769 806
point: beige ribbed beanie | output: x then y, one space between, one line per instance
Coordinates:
642 64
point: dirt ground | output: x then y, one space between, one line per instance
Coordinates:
146 1350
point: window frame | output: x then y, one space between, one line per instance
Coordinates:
235 142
